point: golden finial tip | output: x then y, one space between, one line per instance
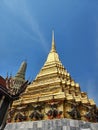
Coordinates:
53 48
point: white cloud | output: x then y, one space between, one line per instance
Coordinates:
21 10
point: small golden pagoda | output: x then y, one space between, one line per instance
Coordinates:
52 95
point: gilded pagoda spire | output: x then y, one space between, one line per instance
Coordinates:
53 91
53 55
53 48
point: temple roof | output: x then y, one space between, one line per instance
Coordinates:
2 81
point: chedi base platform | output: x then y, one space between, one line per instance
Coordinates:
56 124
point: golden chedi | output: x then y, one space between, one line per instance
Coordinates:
52 95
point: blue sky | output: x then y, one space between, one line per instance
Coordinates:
25 34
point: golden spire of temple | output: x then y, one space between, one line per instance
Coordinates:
53 48
53 55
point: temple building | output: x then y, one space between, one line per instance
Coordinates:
10 90
52 95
